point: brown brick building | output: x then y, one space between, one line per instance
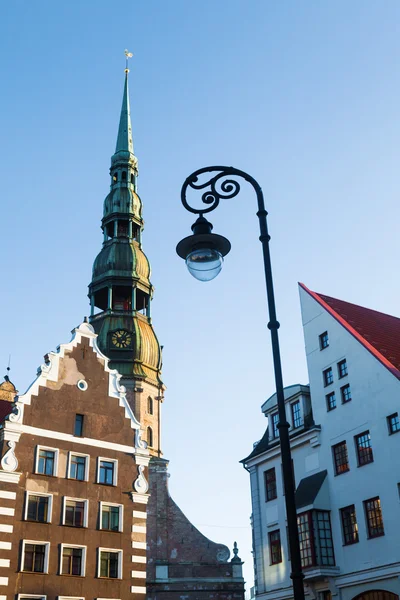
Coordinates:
73 483
74 472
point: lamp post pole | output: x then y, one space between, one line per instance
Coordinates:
204 246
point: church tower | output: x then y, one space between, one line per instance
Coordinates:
121 292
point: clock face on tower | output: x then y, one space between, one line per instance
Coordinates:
121 339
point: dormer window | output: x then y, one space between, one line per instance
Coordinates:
296 414
274 422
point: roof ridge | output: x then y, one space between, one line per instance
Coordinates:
378 312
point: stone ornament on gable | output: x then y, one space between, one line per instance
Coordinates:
223 554
141 486
17 413
9 461
139 443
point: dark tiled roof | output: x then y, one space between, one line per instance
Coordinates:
261 447
377 332
5 409
308 489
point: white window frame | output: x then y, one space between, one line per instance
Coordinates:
62 546
86 456
46 555
120 560
85 514
115 475
121 515
49 512
70 598
38 596
56 454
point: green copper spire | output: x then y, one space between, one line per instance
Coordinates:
124 140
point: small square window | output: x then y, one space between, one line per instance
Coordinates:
38 507
297 421
340 458
373 514
110 563
75 512
364 448
393 422
328 376
72 560
275 421
111 516
35 556
345 393
46 461
323 340
342 368
78 429
349 525
270 485
78 466
107 471
330 401
275 549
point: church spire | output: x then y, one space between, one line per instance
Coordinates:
124 140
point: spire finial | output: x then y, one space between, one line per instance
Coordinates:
8 368
236 558
128 56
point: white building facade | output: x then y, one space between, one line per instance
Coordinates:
346 458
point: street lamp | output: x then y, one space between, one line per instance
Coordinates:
203 252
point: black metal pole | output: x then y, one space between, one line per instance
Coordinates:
229 191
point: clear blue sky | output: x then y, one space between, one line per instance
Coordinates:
303 95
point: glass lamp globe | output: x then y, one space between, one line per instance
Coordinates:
204 264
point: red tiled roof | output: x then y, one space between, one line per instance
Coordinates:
377 332
5 409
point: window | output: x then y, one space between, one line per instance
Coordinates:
270 485
349 525
35 556
275 421
46 461
373 515
73 559
323 340
78 466
111 516
107 471
31 597
345 392
110 563
364 449
75 512
393 423
330 401
328 376
296 414
275 550
123 175
316 546
340 458
132 178
150 405
38 507
115 177
150 440
342 368
78 430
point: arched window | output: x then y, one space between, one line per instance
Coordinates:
115 177
123 175
132 178
150 405
150 437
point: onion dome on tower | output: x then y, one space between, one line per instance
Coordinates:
120 288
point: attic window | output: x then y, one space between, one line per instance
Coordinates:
82 385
